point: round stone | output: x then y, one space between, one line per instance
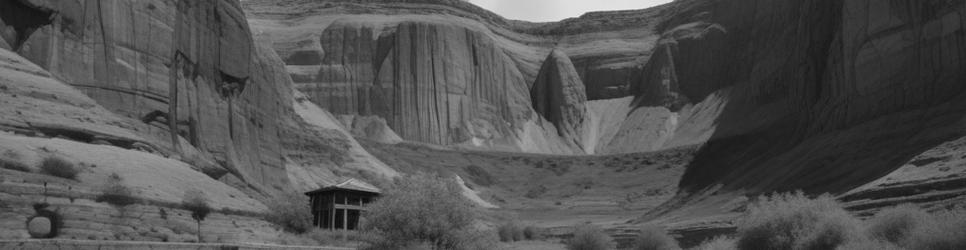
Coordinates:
39 227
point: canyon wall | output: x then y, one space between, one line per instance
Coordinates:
823 96
450 73
187 69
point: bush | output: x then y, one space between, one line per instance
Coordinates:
532 233
195 201
56 166
944 232
510 232
718 243
291 212
419 209
793 221
115 193
589 237
896 224
653 237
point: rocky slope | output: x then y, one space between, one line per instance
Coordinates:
169 97
42 117
192 62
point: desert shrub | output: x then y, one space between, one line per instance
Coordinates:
291 212
532 233
196 202
510 232
115 193
14 165
56 166
654 237
589 237
896 224
793 221
419 209
947 231
718 243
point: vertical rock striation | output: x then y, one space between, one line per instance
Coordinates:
187 68
432 82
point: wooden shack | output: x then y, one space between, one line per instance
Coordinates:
339 207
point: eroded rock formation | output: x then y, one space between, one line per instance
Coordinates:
450 73
187 68
559 96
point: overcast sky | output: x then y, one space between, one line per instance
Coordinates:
556 10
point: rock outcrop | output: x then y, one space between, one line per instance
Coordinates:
189 69
558 95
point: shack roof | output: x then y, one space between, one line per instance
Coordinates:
351 185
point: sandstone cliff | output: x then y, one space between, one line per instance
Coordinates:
824 95
450 73
192 62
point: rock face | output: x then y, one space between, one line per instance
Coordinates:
450 73
559 96
193 62
824 95
432 82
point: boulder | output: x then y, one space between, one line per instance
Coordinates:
39 227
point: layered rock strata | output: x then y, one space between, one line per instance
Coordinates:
189 69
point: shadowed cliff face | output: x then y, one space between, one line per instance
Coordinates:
559 96
189 69
825 95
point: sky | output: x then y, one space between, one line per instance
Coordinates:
556 10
